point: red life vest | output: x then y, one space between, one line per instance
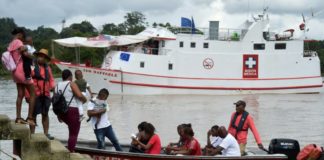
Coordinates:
239 127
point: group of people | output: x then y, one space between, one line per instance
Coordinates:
33 84
220 141
35 81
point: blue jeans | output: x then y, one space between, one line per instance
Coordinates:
109 133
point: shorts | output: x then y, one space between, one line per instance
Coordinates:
42 105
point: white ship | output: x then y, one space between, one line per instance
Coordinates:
211 61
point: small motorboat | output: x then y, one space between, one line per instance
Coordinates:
89 148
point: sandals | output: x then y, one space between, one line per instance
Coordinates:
31 121
20 121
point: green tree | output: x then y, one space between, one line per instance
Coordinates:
113 29
134 22
39 37
6 25
83 29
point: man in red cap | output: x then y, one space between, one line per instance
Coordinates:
240 122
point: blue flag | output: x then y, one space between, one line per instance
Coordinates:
186 22
124 56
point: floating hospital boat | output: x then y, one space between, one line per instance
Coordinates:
209 61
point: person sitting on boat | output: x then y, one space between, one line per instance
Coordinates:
83 86
154 144
178 145
213 139
240 122
192 146
136 148
97 109
228 147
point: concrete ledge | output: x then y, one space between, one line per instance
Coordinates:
4 127
34 146
40 142
59 151
78 156
19 131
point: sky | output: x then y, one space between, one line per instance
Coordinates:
283 14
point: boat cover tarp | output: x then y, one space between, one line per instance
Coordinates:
105 41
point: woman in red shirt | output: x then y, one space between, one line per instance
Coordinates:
154 143
192 146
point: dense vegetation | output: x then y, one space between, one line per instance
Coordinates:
135 22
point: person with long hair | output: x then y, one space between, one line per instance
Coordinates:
180 144
135 147
17 51
154 143
192 146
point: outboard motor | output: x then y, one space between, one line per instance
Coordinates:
288 147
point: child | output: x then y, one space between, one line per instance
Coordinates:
99 103
27 57
83 86
97 109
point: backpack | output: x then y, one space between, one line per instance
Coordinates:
59 102
310 151
8 61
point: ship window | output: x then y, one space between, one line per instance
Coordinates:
280 46
181 44
142 64
170 66
193 45
163 43
259 46
206 45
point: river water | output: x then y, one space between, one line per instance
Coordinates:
296 116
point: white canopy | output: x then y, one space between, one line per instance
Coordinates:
105 41
158 33
71 42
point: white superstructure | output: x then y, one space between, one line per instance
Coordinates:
213 61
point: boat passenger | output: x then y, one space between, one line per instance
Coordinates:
240 122
213 139
191 146
135 148
228 147
154 144
43 82
17 50
97 109
71 118
83 86
180 144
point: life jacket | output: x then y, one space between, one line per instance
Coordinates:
37 74
82 84
38 77
310 151
239 128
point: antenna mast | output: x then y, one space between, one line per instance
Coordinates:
63 23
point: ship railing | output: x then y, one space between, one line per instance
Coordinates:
221 34
309 53
147 50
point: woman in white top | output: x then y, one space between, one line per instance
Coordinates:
71 118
